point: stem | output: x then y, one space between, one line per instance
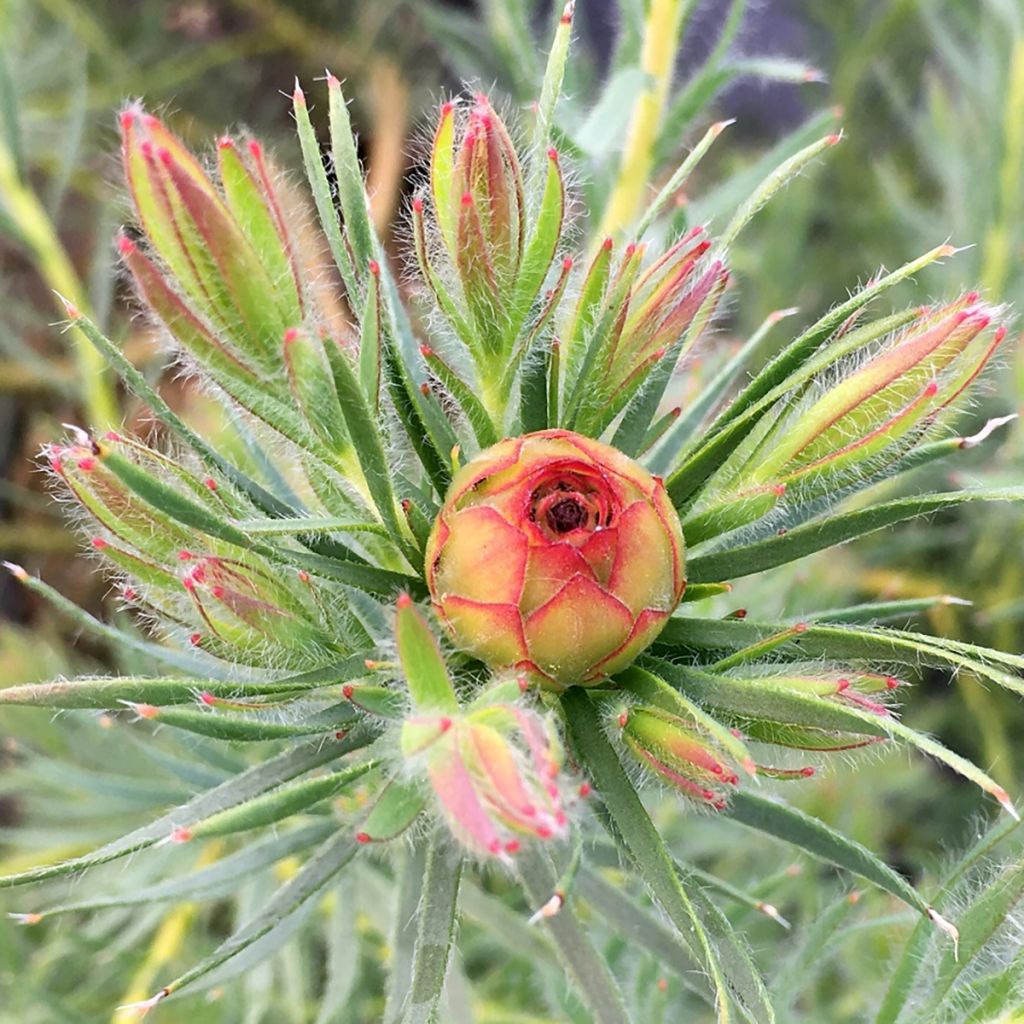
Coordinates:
436 934
37 232
592 980
661 40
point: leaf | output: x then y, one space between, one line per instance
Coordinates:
987 912
322 197
363 428
280 804
396 809
423 665
334 855
351 193
233 791
341 963
845 641
801 541
180 660
822 842
550 90
412 868
903 975
760 700
811 954
216 880
307 525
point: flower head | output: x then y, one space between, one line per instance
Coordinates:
556 555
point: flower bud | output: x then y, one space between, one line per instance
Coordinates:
228 255
244 606
855 426
636 318
555 555
494 770
83 468
900 390
678 753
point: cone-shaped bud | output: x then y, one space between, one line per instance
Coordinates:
555 555
230 269
633 318
678 753
495 772
499 257
486 193
244 606
868 418
84 467
885 403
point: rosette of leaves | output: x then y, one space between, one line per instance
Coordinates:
530 392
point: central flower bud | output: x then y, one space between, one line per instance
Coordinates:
556 556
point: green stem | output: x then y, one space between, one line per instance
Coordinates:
634 831
436 934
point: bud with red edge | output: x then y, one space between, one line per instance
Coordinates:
555 555
859 421
678 753
220 267
494 769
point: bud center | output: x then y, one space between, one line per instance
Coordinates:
566 515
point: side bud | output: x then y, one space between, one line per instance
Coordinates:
494 771
678 753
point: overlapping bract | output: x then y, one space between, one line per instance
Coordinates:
557 556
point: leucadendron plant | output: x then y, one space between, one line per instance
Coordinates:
462 592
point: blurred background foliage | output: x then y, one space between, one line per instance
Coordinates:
930 97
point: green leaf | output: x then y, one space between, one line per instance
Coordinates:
371 342
364 429
978 925
334 855
679 177
322 197
214 881
640 927
281 803
801 541
843 642
351 193
591 979
551 88
233 791
410 872
396 809
306 525
759 699
119 639
541 247
821 841
423 665
904 973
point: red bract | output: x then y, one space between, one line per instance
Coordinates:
557 556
